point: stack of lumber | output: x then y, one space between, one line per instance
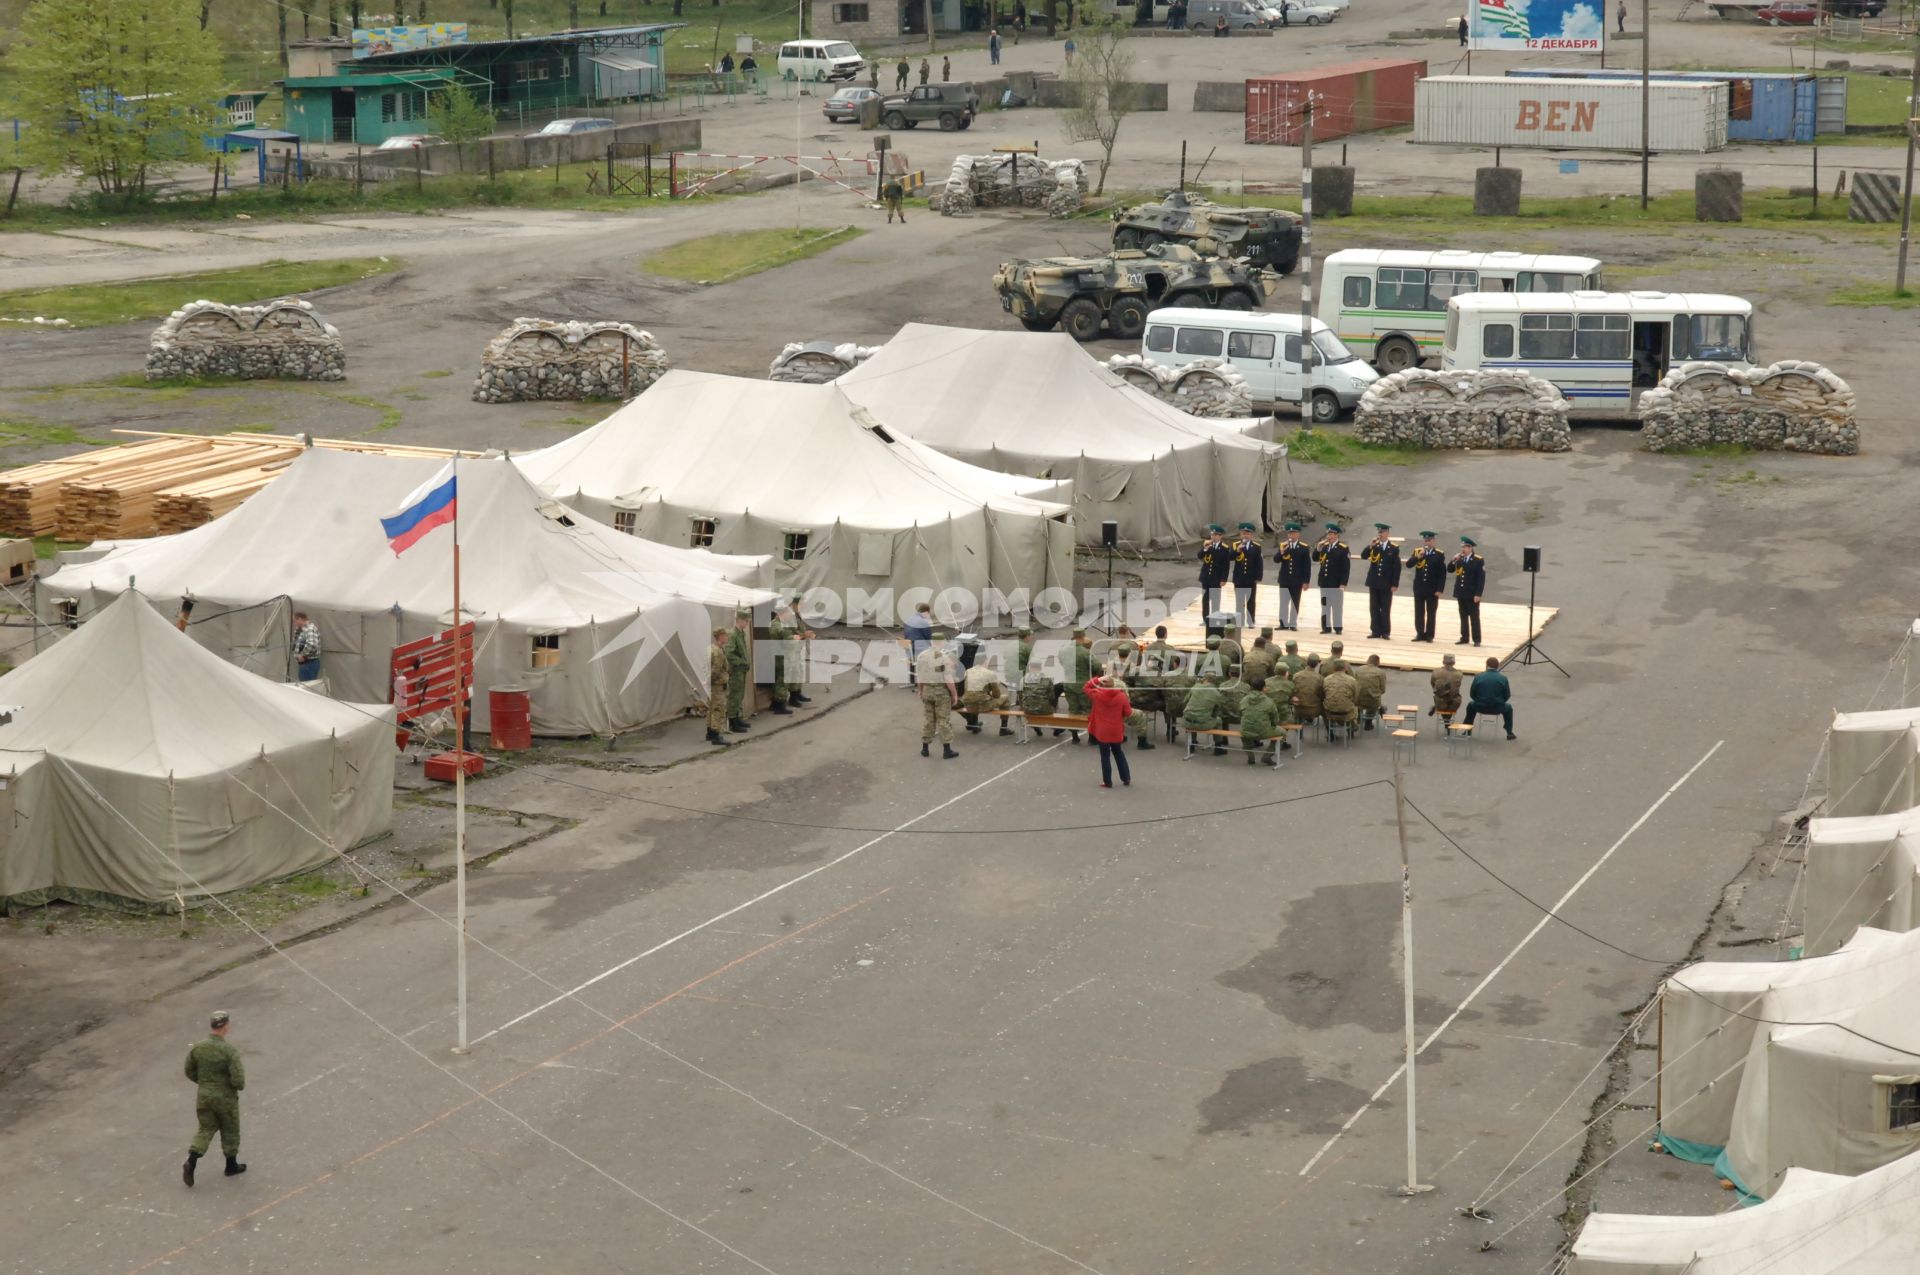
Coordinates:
159 485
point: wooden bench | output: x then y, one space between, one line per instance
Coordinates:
1223 734
1459 733
1037 721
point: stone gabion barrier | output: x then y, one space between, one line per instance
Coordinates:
1422 408
1204 387
988 181
817 362
1787 406
281 340
558 359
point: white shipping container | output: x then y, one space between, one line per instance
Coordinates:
1569 114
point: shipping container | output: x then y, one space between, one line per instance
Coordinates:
1569 114
1762 106
1353 97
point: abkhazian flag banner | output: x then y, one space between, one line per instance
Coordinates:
1508 23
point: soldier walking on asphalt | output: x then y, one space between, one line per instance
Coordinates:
900 73
214 1066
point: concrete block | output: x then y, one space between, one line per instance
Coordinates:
1332 191
1718 194
1496 192
1225 96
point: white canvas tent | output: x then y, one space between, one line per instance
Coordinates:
1035 403
1775 1064
1873 762
1815 1224
548 590
140 767
1863 870
800 473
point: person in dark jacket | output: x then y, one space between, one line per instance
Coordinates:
1429 567
1383 581
1469 584
1107 713
1216 564
1490 694
1249 569
1292 569
1336 567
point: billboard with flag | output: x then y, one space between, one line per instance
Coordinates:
1537 26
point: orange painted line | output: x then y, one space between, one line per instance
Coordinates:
484 1094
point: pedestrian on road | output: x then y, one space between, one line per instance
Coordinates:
1463 30
946 69
926 70
306 647
1490 694
873 76
1620 17
1107 713
750 69
900 73
1070 50
993 46
214 1067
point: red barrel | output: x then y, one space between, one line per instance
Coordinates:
510 709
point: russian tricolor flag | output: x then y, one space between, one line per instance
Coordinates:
432 504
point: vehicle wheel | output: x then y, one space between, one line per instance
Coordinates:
1128 318
819 77
1396 354
1287 267
948 121
1313 20
1126 237
913 123
1235 300
895 120
1326 408
1037 325
966 124
1187 300
1080 319
1148 238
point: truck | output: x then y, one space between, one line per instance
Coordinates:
1083 295
953 105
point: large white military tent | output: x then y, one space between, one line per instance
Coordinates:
1035 403
802 474
1815 1224
1777 1064
1861 870
547 590
1873 762
140 767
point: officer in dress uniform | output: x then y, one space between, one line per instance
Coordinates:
1383 581
1293 567
1469 583
1429 567
1336 565
1249 568
1216 564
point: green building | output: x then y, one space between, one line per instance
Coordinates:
369 99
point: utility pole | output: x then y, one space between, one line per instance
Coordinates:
1413 1185
1306 262
1906 195
1646 95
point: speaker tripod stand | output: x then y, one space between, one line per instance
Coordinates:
1530 652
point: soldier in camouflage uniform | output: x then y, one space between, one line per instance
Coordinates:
1446 687
214 1067
1202 710
1373 688
718 675
784 634
1279 692
1260 658
1258 720
933 673
1232 691
982 691
739 669
1340 698
1026 654
1290 659
1309 688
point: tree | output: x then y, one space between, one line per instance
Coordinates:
115 92
1101 90
458 115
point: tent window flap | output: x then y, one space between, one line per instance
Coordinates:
1902 1102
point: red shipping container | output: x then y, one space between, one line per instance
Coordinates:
1354 97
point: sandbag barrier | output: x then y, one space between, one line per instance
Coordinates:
281 340
1464 410
1014 181
1791 405
559 359
1204 387
817 362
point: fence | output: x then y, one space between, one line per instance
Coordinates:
704 173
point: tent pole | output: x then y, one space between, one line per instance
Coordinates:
459 775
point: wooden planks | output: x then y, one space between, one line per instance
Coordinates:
162 484
1503 630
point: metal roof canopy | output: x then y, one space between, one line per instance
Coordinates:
620 61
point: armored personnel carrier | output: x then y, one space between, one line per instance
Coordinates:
1267 237
1083 295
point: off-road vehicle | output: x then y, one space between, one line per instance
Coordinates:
1084 294
1267 237
953 105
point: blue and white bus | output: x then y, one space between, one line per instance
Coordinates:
1602 349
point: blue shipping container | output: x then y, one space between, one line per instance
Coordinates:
1763 106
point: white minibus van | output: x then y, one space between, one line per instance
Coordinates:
818 60
1264 348
1389 305
1602 349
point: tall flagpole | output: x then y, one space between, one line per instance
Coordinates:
1413 1184
459 771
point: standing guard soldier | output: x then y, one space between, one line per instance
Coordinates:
1293 568
1429 567
739 670
1469 584
1249 569
718 675
1336 567
1216 564
214 1067
1383 581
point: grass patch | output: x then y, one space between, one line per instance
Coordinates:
1876 295
96 305
1709 451
1343 451
438 373
44 547
390 415
22 433
723 258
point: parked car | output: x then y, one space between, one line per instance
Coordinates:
1305 13
818 60
1241 15
407 141
1788 15
575 124
954 105
844 106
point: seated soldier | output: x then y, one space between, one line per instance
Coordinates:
1309 691
1232 691
1202 711
1373 688
1340 698
983 690
1279 692
1446 687
1258 721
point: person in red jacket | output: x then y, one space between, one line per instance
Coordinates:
1107 713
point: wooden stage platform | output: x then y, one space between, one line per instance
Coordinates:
1503 630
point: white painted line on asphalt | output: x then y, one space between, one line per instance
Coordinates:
763 896
1507 960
